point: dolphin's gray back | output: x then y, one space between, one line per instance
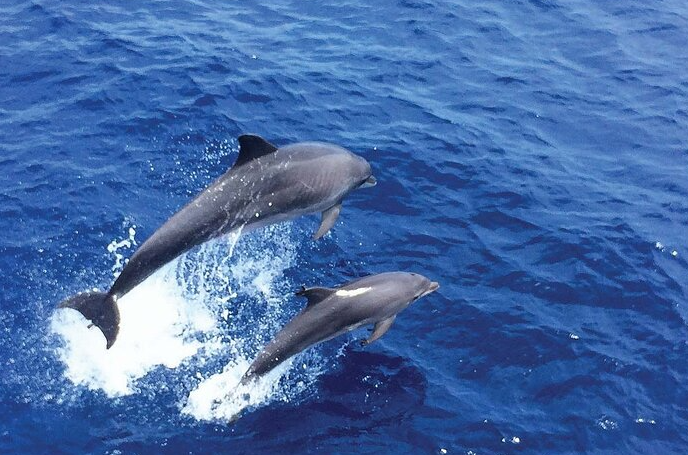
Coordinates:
282 185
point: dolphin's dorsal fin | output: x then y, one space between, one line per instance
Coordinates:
251 147
315 295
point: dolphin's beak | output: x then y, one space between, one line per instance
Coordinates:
370 181
434 285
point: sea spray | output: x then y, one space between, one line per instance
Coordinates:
156 329
118 244
220 302
222 397
264 303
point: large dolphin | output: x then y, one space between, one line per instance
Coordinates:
265 185
375 299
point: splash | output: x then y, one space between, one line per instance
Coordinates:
222 397
219 303
116 245
256 273
157 328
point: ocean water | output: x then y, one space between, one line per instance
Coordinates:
531 156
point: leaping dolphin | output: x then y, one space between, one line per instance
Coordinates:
265 185
375 299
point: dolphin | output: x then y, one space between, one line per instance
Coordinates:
375 299
265 185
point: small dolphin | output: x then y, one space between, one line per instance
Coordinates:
266 185
375 299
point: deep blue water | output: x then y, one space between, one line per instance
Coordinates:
531 157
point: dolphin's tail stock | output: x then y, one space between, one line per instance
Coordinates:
99 308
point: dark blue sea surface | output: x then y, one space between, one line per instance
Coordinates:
532 157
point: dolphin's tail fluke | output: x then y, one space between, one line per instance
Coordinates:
99 308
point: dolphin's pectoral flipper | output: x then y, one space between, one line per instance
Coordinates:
315 295
99 308
329 217
381 327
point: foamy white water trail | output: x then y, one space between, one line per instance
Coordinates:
221 397
224 300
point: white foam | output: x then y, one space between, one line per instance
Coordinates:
222 397
156 329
